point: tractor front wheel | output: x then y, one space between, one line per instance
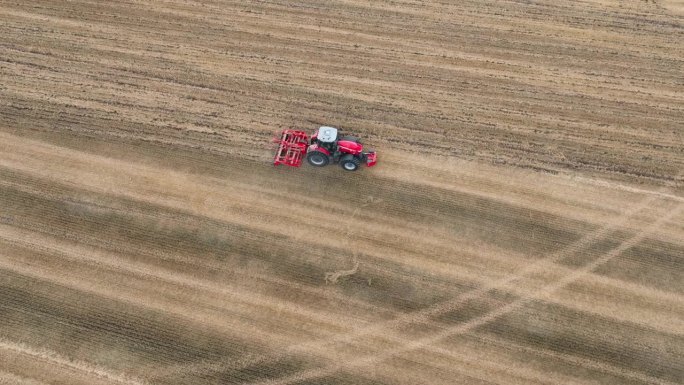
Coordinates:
349 163
317 159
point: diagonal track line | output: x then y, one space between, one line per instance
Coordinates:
426 342
423 316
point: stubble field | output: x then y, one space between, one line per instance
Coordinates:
524 224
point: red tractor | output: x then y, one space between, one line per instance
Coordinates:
321 148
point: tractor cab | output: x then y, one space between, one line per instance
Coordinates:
326 134
325 137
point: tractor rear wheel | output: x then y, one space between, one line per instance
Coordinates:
317 159
349 163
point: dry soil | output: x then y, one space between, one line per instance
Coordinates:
524 224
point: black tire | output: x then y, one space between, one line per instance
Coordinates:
349 163
351 139
317 158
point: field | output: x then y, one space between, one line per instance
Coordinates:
524 224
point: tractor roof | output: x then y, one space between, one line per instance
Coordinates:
327 134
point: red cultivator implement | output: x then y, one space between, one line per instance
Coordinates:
322 148
291 149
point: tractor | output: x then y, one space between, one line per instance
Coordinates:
323 147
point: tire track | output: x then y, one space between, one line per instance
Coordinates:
423 316
542 266
470 325
496 284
